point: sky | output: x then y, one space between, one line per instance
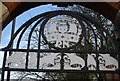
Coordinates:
21 19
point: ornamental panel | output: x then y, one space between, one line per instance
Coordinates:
62 41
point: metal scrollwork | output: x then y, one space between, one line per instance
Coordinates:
62 32
63 41
71 61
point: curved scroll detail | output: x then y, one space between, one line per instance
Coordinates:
63 32
91 62
63 40
71 61
107 62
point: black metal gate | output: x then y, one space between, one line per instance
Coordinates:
62 41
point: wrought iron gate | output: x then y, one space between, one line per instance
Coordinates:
62 41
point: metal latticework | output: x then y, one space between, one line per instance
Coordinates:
62 41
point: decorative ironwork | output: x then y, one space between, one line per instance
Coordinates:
63 41
71 61
62 32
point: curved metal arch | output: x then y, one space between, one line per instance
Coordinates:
100 28
103 36
61 13
97 24
28 23
85 19
42 19
94 35
48 14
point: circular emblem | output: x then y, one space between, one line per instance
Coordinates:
62 31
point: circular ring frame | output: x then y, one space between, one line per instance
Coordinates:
48 17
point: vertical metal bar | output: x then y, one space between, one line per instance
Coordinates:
62 62
26 64
97 61
118 55
85 48
4 60
29 40
97 54
2 75
119 62
11 47
39 46
12 33
8 76
38 53
28 46
118 58
3 66
27 55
